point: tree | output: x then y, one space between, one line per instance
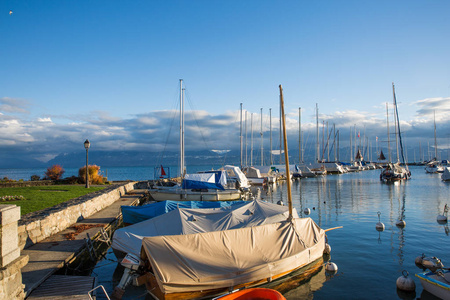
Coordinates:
55 172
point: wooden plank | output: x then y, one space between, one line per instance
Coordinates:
62 286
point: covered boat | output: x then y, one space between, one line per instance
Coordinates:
211 263
182 221
199 187
394 172
254 176
136 214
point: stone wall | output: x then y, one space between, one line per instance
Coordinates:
11 262
37 226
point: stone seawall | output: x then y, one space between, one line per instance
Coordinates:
37 226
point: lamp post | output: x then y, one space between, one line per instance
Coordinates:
87 145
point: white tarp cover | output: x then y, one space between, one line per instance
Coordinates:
238 173
181 221
253 172
203 261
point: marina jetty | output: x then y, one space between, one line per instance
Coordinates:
33 248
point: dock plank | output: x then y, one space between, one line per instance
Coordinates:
62 287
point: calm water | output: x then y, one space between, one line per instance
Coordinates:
369 261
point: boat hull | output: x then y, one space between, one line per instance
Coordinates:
435 284
189 195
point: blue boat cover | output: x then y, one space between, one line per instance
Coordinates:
136 214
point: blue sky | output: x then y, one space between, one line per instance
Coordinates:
105 70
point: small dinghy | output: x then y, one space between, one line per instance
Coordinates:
436 283
255 293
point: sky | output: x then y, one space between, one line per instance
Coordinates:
109 71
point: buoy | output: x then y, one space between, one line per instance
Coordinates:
331 267
379 226
400 223
327 249
280 203
307 211
406 283
419 259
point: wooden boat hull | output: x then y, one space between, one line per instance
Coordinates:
435 284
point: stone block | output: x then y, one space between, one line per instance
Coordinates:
9 214
7 258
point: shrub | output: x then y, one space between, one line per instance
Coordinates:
55 172
35 178
70 180
94 176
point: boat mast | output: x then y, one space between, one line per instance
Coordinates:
270 121
246 143
240 136
351 146
389 139
300 158
317 133
435 140
286 156
399 131
281 140
181 129
262 139
395 122
251 140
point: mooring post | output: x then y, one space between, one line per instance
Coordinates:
11 262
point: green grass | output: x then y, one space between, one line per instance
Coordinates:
40 197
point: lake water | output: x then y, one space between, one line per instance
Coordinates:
369 261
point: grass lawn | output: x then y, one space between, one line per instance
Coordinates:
40 197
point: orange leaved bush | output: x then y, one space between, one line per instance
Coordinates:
54 172
94 176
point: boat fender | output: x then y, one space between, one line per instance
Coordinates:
327 249
307 211
331 267
400 223
379 226
405 283
419 260
280 202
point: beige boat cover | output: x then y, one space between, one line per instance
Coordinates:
203 261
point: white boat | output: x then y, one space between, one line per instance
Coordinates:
333 168
434 167
395 171
436 283
254 176
446 174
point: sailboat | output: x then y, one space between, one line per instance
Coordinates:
394 171
206 264
434 166
207 186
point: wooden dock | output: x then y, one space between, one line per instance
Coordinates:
59 287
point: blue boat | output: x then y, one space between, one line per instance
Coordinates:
436 283
136 214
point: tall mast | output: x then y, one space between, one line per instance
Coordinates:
262 140
240 136
395 122
251 140
281 140
270 121
389 139
286 156
181 129
334 142
300 158
317 134
246 161
351 146
435 140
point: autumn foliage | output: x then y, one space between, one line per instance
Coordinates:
94 176
54 172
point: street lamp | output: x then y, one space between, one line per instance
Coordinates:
87 145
